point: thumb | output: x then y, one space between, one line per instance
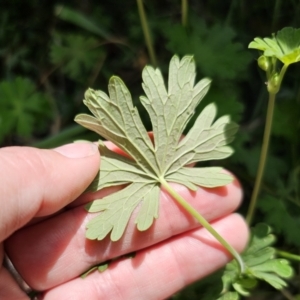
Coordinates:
38 182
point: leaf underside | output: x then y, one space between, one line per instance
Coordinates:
117 120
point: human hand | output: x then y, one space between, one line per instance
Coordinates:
43 230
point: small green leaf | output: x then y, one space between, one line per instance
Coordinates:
217 52
285 45
103 267
260 256
230 296
153 163
278 266
85 274
261 237
277 208
79 19
260 263
272 279
23 110
75 54
248 283
239 287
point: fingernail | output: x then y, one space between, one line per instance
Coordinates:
77 150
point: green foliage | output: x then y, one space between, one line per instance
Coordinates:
283 215
118 121
216 52
261 265
101 268
286 121
205 42
75 54
275 167
285 45
23 110
261 262
226 101
82 21
217 38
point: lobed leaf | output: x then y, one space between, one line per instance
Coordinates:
117 170
23 110
171 110
207 177
285 45
116 210
283 215
260 262
205 141
116 119
75 54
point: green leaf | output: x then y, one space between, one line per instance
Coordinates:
217 53
23 110
152 163
226 98
283 215
82 21
285 45
230 296
89 271
287 115
275 166
75 54
260 262
278 266
103 266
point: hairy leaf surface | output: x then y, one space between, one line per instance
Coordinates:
165 158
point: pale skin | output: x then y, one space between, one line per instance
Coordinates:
42 230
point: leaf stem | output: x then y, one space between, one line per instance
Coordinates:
146 32
184 12
287 294
192 211
288 255
263 156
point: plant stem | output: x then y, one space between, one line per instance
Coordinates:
192 211
184 12
146 32
287 294
263 156
288 255
276 14
273 90
67 135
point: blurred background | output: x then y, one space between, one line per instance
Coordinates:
51 52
